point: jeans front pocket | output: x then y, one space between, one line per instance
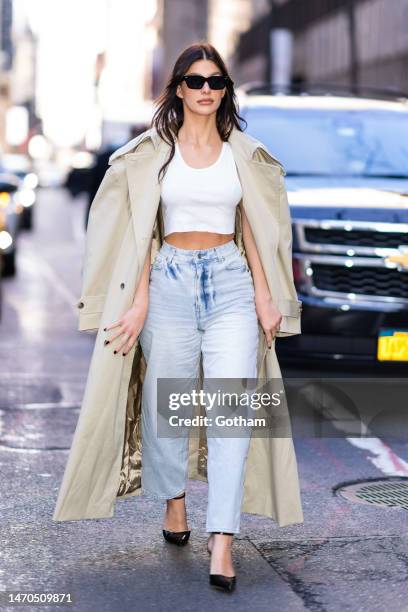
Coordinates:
158 262
237 262
157 265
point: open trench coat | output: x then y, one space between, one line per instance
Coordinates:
104 463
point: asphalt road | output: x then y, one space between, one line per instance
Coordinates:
345 556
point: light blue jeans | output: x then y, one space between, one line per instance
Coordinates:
200 301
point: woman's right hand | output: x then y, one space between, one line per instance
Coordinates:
128 327
269 317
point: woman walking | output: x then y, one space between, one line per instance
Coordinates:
199 299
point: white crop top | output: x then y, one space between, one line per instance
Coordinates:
201 199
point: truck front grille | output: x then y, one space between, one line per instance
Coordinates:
373 280
355 237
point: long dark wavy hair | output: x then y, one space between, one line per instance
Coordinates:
169 116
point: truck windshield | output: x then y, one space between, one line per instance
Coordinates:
321 142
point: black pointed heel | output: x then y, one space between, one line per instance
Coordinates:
225 583
180 538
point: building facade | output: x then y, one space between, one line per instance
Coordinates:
363 42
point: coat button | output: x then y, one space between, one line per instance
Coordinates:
80 304
122 285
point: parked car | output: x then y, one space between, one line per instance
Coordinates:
22 167
346 161
11 210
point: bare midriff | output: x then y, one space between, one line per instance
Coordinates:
197 240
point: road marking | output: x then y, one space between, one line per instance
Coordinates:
383 457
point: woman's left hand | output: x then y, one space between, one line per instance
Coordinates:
269 317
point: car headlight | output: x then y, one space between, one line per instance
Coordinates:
30 180
26 197
5 240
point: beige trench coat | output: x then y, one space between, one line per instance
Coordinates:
104 463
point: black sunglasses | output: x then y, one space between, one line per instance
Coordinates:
196 81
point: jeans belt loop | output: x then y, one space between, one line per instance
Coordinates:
170 257
218 254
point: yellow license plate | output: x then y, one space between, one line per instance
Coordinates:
392 345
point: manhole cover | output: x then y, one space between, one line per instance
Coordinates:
390 492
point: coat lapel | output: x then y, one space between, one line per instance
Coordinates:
144 192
